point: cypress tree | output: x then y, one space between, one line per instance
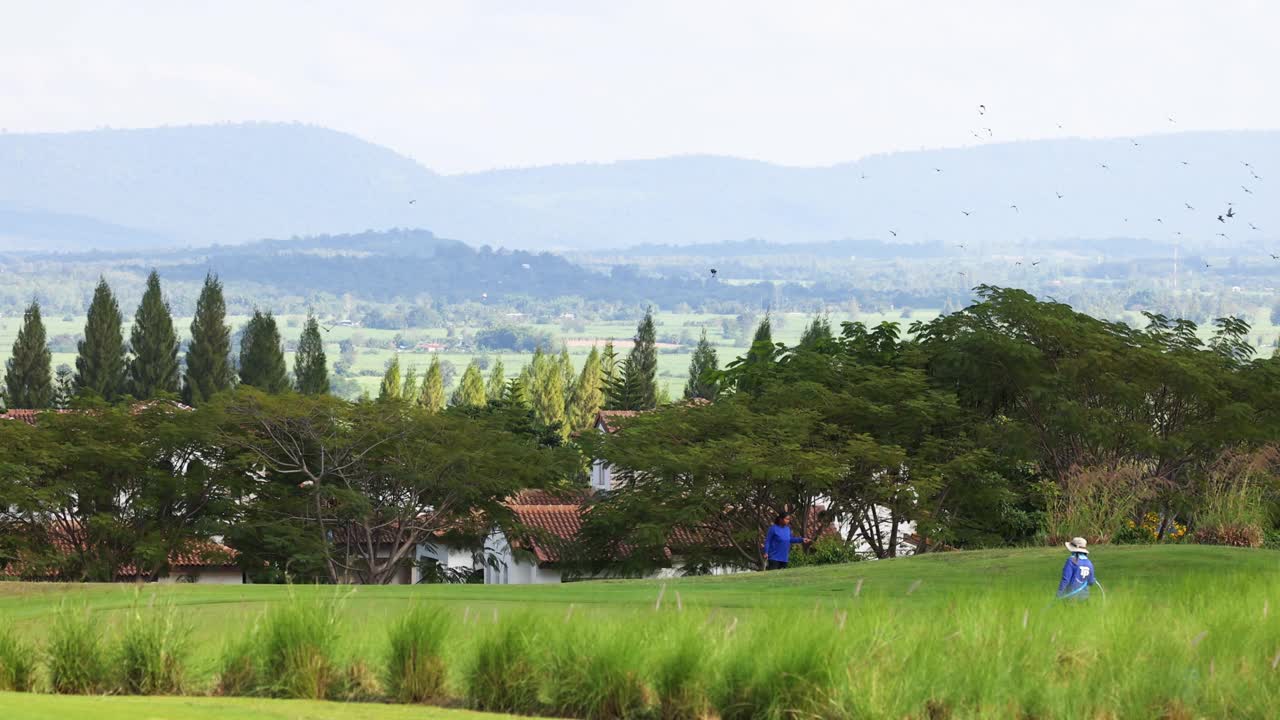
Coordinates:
432 397
27 378
635 387
261 356
471 390
758 360
153 369
817 334
310 366
547 392
209 354
410 388
703 362
391 389
496 386
567 378
588 393
100 364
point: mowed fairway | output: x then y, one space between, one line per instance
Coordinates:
977 634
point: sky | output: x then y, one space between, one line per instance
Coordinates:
468 86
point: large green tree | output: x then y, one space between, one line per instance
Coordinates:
262 356
703 369
153 367
208 360
310 366
100 363
635 387
497 382
546 392
391 389
27 378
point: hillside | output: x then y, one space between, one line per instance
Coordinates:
201 185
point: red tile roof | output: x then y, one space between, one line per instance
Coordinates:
574 496
30 416
198 554
607 419
557 523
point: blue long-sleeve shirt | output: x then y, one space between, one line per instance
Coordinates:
777 544
1077 576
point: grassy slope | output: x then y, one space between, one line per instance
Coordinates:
976 597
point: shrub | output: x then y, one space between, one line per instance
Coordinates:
680 665
415 670
17 666
1249 536
296 649
239 667
780 672
1234 507
1094 503
152 652
826 550
593 672
503 673
76 660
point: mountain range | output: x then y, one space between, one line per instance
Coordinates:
230 184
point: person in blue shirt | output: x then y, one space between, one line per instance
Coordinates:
1077 574
778 542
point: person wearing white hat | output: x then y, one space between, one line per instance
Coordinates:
1078 573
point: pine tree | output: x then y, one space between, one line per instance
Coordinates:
100 364
608 364
516 393
410 389
64 387
588 393
546 392
261 355
496 385
758 360
817 334
391 388
310 366
432 397
635 386
27 378
568 378
471 390
209 369
153 368
701 365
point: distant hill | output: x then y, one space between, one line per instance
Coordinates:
190 186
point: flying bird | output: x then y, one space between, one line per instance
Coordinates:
960 245
1036 263
1184 162
412 202
1221 219
1015 208
1104 166
1018 263
1136 143
1224 235
1245 164
937 169
1231 212
893 233
1160 221
1188 206
1253 227
1275 256
982 109
1246 189
966 213
1206 264
1055 192
713 272
1171 120
989 133
1255 175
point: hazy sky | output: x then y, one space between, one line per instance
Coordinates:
475 85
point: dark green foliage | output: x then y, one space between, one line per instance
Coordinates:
27 380
635 386
100 364
153 368
703 367
310 368
261 355
209 369
64 387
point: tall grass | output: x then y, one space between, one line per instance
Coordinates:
17 662
415 667
152 652
297 647
76 659
504 673
681 661
595 670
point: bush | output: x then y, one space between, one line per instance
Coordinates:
297 649
1249 536
17 666
415 671
826 550
779 673
76 660
503 673
593 672
152 653
680 664
1094 503
239 666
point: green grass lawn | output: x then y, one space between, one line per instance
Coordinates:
1182 631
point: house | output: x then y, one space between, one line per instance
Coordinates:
207 562
601 472
430 347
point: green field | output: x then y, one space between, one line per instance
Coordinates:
1182 631
25 706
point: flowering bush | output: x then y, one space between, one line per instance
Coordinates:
1147 530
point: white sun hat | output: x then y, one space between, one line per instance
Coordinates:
1078 545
